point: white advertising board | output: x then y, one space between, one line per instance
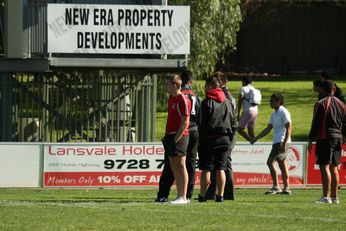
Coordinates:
118 29
250 164
20 165
95 165
140 164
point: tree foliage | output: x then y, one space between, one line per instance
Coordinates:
214 26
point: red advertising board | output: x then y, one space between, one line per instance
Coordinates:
313 175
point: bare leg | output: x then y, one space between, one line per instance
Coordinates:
334 180
180 174
325 173
205 181
284 173
251 132
270 163
220 182
243 133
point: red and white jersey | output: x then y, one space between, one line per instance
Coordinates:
178 107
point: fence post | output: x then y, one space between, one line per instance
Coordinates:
6 108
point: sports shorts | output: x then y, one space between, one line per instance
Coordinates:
275 152
328 151
213 153
175 149
248 119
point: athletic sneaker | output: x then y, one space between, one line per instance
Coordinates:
179 201
202 199
162 200
219 199
324 200
335 200
188 200
286 191
274 190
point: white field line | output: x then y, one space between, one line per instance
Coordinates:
104 205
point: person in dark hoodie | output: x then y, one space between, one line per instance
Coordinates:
215 138
229 186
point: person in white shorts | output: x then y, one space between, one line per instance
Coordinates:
280 120
250 111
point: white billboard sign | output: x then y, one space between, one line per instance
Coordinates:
250 167
130 164
20 165
118 29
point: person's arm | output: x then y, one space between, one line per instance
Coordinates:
262 133
316 123
183 108
240 104
184 125
288 126
343 128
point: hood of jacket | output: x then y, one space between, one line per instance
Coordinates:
216 94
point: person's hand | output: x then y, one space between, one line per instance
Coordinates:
283 148
176 138
310 146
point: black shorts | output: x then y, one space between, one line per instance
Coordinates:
213 153
328 151
175 149
276 154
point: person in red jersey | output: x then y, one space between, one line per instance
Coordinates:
167 177
176 138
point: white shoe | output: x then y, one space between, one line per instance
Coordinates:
335 200
188 201
324 200
179 201
273 191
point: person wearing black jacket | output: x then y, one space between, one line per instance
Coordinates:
328 129
229 186
215 138
167 177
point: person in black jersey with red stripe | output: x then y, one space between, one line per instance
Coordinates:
328 130
191 156
338 93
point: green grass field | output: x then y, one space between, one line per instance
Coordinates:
299 100
129 209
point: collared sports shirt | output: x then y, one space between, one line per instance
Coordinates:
178 107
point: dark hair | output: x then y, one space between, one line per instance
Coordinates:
328 86
213 81
318 83
247 80
278 97
186 75
325 75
